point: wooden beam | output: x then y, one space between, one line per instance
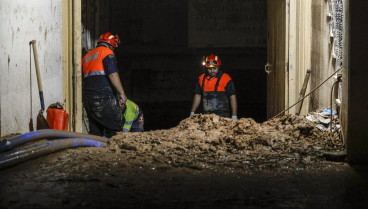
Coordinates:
67 54
77 66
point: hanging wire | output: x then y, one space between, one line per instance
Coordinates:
306 95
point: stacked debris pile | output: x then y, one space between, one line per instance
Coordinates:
210 141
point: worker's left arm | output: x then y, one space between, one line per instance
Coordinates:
231 93
234 105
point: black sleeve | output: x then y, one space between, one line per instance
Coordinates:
109 64
198 89
230 88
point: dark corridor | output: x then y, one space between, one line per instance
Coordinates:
164 41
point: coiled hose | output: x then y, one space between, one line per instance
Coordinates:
63 140
32 151
10 143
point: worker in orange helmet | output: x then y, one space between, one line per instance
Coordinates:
103 92
216 89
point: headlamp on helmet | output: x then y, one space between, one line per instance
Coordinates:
204 61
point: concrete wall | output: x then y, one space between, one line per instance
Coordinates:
322 61
20 22
95 21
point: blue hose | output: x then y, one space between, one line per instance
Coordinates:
10 143
32 151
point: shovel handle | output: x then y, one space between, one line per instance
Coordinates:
39 82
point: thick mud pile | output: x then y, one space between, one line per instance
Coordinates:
213 142
205 142
275 164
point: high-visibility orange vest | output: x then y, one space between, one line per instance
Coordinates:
210 85
93 61
214 97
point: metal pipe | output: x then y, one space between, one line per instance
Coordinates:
331 115
10 143
19 155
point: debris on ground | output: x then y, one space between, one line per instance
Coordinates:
210 141
207 141
190 166
328 121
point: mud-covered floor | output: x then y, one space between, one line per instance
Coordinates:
204 162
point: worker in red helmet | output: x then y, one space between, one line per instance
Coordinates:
103 92
216 89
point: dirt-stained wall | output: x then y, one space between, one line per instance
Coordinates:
322 59
21 22
95 21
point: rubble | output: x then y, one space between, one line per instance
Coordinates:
202 156
210 141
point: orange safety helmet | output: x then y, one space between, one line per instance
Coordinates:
110 39
212 61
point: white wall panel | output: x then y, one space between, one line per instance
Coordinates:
20 22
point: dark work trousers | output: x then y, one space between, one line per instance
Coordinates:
104 115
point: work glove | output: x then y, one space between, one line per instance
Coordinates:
234 118
191 113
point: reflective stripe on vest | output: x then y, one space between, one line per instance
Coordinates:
93 61
128 122
94 73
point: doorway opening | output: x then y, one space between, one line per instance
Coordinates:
164 41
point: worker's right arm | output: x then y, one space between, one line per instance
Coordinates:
197 97
115 80
196 102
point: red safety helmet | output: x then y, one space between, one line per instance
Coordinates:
212 61
110 39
